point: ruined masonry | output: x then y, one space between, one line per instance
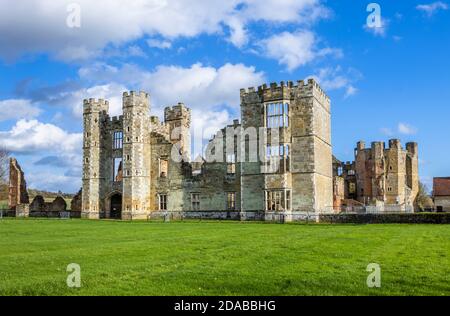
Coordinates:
18 194
128 171
384 177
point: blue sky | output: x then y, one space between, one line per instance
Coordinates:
388 82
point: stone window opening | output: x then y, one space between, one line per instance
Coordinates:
277 115
117 170
118 140
128 157
163 167
231 201
231 164
162 201
278 154
278 200
195 201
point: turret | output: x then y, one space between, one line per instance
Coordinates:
94 114
178 119
136 155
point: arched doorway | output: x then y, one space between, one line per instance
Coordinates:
116 206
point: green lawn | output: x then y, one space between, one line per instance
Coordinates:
221 258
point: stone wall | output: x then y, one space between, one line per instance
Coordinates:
382 174
39 205
442 201
148 144
17 185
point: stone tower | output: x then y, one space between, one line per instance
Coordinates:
178 119
388 175
18 193
301 115
412 171
136 156
94 115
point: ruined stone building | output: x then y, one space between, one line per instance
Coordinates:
278 158
18 195
378 176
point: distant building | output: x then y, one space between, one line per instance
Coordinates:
380 175
441 194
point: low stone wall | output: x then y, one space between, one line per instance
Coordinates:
416 218
195 215
55 214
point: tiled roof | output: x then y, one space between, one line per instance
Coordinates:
441 186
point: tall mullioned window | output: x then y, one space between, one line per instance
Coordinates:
231 164
118 140
195 200
163 202
231 201
278 158
277 115
277 201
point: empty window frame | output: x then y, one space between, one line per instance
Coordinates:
278 200
117 170
278 151
231 164
231 201
163 168
195 201
118 140
162 202
277 115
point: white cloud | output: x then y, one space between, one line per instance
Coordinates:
18 108
111 92
198 86
406 129
387 131
402 128
432 8
53 182
336 79
40 26
295 49
28 136
159 44
380 31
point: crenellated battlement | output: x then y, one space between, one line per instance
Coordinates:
141 94
177 112
133 98
94 105
287 90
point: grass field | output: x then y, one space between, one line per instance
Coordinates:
221 258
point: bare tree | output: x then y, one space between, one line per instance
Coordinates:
424 200
4 160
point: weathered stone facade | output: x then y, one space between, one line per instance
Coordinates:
380 176
18 194
277 160
441 194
